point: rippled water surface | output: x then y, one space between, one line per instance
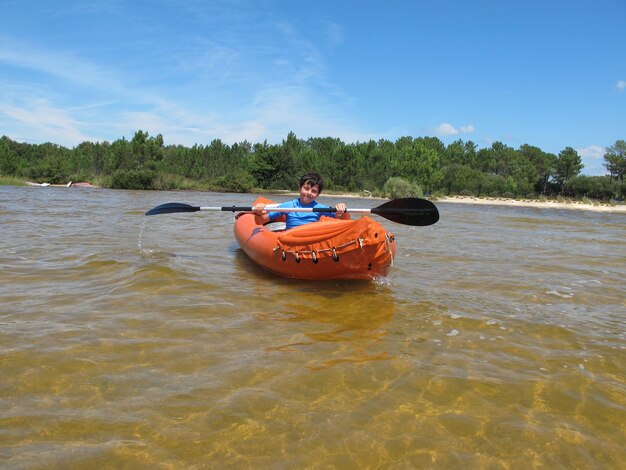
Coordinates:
497 341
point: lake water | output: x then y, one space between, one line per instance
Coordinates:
497 341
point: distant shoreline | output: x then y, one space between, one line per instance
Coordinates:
491 201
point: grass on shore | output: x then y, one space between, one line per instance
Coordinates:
11 181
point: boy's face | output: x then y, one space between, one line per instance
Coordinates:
308 193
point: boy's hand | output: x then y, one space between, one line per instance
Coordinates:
259 209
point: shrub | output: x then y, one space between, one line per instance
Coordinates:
489 184
236 183
133 179
396 188
596 187
165 182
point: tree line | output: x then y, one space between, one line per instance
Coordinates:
408 166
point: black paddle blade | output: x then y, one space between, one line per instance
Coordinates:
409 211
172 207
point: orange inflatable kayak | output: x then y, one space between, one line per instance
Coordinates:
328 249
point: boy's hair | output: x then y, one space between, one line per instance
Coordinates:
313 179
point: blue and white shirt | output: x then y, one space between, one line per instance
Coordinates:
294 219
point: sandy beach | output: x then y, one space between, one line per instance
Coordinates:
549 204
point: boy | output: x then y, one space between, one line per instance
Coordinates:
311 186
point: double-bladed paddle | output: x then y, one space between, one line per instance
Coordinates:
407 211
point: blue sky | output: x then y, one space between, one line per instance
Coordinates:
549 73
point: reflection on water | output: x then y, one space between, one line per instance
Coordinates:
497 341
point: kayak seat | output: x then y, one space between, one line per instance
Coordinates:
276 226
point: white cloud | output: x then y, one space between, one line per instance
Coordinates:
68 103
40 118
621 85
448 129
75 94
592 152
59 64
593 159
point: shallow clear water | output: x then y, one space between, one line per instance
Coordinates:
497 341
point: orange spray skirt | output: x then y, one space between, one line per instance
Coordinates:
328 249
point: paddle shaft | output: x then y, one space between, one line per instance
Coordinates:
279 209
378 211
